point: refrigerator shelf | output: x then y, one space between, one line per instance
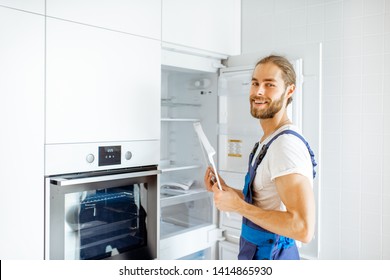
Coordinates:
172 168
170 228
172 198
179 120
170 103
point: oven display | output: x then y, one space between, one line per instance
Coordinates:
109 155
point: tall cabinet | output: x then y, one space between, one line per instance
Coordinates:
22 53
87 47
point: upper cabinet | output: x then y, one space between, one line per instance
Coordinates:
213 26
138 17
35 6
100 84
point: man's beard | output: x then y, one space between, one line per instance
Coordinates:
274 107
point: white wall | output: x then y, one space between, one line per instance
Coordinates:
355 194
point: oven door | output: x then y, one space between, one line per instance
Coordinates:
102 215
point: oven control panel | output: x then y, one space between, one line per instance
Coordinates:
86 157
109 155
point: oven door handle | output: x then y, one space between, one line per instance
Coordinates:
60 181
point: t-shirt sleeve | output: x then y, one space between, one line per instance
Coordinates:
287 155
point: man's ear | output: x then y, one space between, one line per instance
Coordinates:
290 90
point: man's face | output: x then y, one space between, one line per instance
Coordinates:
268 93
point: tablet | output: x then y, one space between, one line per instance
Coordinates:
207 150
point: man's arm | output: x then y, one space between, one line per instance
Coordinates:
296 222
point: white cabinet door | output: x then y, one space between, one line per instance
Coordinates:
35 6
214 26
101 85
22 134
139 17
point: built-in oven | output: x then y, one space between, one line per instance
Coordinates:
108 212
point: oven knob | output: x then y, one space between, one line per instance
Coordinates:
128 155
90 158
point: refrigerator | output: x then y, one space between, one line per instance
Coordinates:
190 225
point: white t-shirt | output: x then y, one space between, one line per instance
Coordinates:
286 155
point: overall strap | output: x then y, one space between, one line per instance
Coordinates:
293 132
252 169
252 154
287 131
251 232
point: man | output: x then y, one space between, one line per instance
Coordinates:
277 203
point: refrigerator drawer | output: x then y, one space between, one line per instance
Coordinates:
184 212
189 242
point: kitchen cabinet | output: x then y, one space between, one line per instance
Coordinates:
203 25
138 17
94 76
34 6
22 54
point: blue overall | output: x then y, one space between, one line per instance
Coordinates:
257 243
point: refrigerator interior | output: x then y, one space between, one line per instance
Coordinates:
186 207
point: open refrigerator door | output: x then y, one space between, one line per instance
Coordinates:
238 132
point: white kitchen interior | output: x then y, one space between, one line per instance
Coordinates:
69 68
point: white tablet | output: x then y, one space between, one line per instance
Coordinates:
207 149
